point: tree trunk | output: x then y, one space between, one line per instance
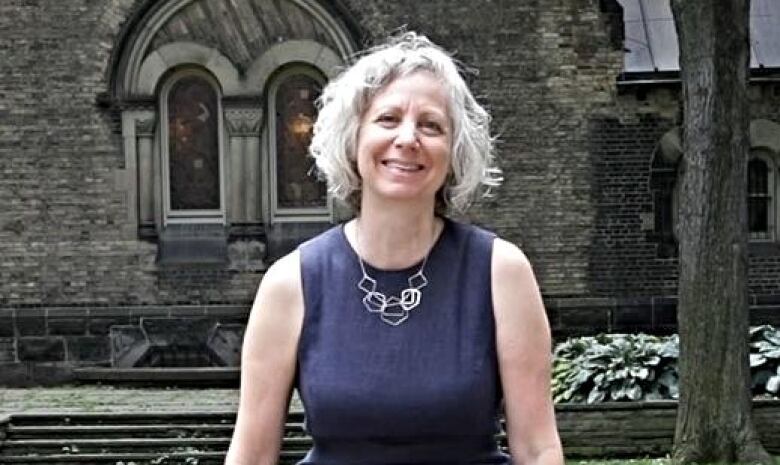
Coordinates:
714 420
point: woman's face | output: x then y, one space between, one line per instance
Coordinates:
404 140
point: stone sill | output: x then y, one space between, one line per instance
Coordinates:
189 376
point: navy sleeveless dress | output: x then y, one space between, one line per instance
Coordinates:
424 392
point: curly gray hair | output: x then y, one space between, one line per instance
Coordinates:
347 97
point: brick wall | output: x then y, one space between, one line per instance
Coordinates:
64 214
576 154
623 262
542 71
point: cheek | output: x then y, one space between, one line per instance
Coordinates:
447 159
444 172
357 157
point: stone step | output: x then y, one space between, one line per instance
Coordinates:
22 447
201 458
110 431
153 438
129 418
79 445
185 458
134 430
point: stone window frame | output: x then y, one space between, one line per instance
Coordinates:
142 122
169 216
137 66
664 189
765 144
243 106
772 187
764 141
275 214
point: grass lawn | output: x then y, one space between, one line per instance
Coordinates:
645 461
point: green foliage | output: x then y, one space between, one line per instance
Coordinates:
636 461
615 367
765 360
635 367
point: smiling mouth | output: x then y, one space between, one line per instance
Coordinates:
403 166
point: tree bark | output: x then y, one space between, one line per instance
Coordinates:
714 419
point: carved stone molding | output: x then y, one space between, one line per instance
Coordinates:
159 339
247 255
244 122
128 345
225 343
145 125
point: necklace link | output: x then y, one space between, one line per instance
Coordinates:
392 309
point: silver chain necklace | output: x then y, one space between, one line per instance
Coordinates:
392 309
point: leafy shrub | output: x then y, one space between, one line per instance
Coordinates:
615 367
634 367
765 360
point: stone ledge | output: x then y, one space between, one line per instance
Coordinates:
188 376
27 374
635 429
41 349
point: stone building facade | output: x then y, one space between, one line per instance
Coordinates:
107 259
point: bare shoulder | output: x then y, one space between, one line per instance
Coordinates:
517 302
509 262
280 294
284 276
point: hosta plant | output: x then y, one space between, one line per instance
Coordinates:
615 367
765 360
632 367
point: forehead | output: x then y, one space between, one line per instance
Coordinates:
421 88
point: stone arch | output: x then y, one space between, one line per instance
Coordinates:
293 51
238 32
764 139
764 134
669 149
241 43
176 54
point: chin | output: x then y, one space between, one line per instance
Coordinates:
408 195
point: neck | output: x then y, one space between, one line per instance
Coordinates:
394 238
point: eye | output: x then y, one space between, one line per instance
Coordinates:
431 127
386 119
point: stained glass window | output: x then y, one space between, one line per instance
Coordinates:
193 150
296 185
759 199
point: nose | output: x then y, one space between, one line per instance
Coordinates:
407 135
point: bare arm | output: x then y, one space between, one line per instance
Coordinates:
524 347
268 361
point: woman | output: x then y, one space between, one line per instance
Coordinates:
401 328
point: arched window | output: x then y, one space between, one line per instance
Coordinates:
761 194
763 189
663 187
191 129
294 191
